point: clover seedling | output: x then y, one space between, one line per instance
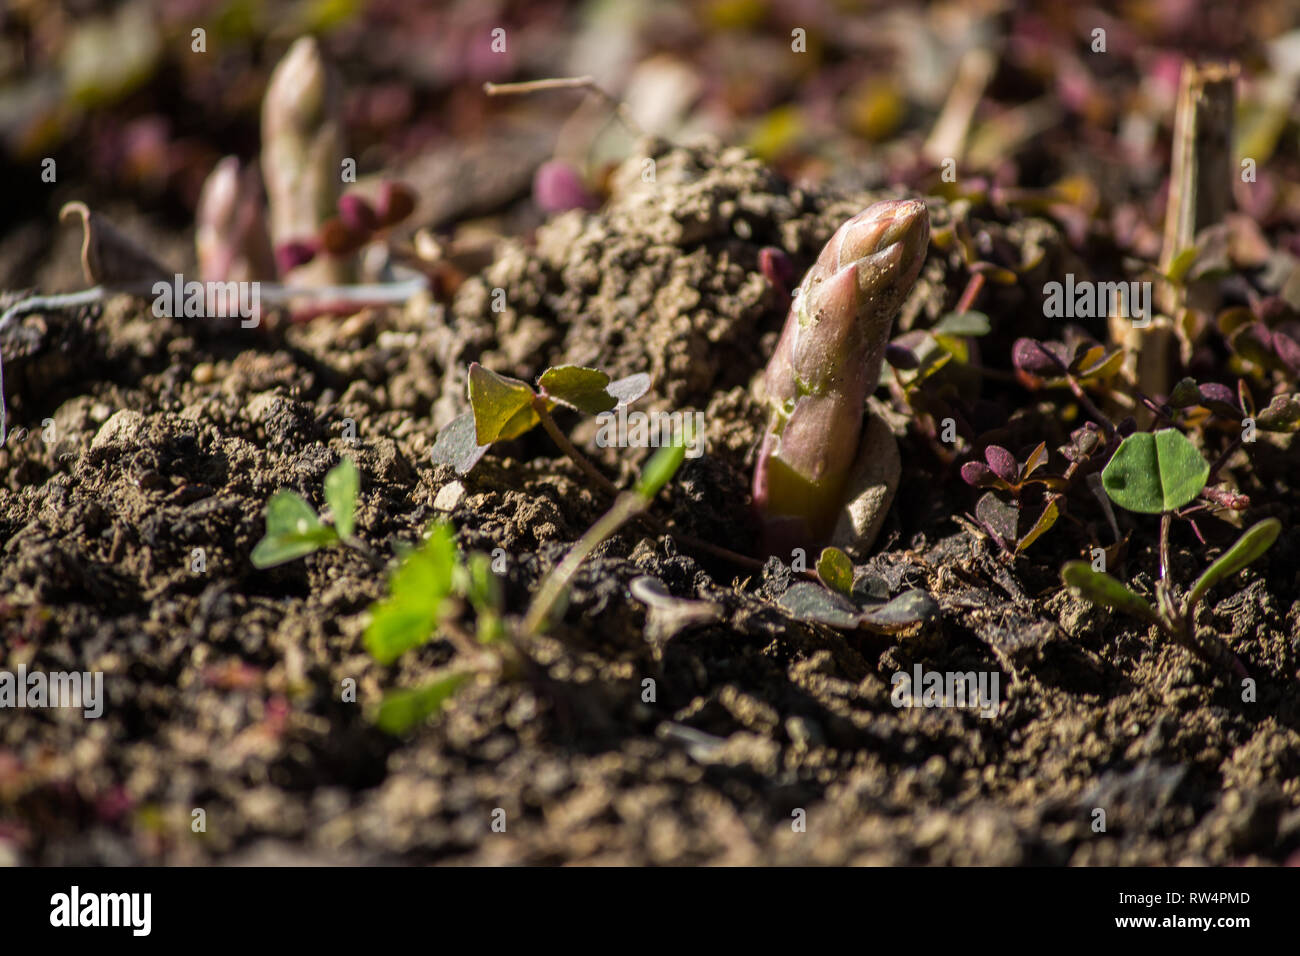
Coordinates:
294 529
1155 473
1158 474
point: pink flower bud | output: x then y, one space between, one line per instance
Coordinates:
557 187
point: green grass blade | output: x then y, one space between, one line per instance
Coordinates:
1248 547
342 485
1100 588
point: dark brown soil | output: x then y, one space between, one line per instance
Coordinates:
224 685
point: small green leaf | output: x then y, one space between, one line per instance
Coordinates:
1086 356
578 387
403 710
482 586
836 570
288 513
1037 458
277 549
955 346
908 611
963 323
663 464
342 484
417 589
1155 473
1180 264
1249 546
293 530
503 407
1106 367
1100 588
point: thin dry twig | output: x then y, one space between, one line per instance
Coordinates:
587 83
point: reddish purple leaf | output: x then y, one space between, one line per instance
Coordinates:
776 267
978 475
1288 350
1220 399
1039 358
1002 462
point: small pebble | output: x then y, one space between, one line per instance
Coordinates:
204 373
449 496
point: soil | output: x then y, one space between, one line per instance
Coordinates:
766 739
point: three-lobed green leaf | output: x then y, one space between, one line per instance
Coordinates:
1154 473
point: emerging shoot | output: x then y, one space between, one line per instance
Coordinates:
826 364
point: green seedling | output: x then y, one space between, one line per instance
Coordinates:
908 613
429 589
1155 473
836 570
427 594
295 530
1158 474
845 604
502 408
658 471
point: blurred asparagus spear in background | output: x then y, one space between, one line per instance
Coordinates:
230 235
302 154
826 363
